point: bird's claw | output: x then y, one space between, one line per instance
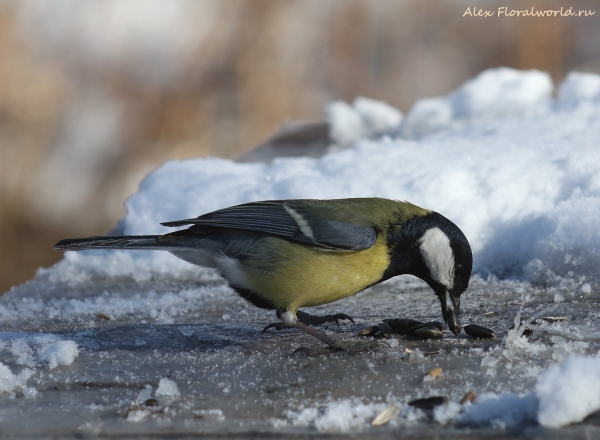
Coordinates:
276 325
319 320
342 316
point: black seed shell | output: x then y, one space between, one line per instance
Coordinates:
479 331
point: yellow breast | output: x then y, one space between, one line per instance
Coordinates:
293 276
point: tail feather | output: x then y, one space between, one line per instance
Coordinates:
140 242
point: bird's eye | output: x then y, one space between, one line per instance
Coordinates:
459 269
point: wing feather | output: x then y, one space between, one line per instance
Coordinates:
291 220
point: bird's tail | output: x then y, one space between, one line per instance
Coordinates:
140 242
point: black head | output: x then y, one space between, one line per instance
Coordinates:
434 249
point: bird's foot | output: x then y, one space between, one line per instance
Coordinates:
319 320
277 326
335 346
308 319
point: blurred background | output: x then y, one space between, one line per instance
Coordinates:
94 94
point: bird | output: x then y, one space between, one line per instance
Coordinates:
285 255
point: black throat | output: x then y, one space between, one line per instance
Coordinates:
405 257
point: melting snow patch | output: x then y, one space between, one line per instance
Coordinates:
167 388
9 381
501 411
342 415
348 415
34 350
569 392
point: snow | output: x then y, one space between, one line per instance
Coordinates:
578 87
568 392
9 381
514 167
493 94
366 118
532 225
38 352
34 350
501 411
168 388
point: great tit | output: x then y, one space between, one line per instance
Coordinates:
288 254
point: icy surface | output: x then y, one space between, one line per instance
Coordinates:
114 342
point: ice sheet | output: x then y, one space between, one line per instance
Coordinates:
144 342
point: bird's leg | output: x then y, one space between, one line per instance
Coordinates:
291 320
309 320
286 321
333 344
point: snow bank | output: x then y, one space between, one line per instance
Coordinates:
493 94
366 118
578 87
569 392
564 394
518 175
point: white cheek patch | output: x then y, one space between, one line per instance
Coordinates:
438 256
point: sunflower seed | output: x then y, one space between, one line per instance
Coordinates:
468 398
371 331
435 373
386 415
430 332
479 331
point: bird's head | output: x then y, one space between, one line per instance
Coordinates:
434 249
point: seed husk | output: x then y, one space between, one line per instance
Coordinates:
151 402
479 331
435 373
469 397
429 402
101 316
385 416
555 318
429 332
424 353
371 331
401 326
411 330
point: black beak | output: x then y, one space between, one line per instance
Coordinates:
450 316
455 302
441 294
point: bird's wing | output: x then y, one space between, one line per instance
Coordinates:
293 220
